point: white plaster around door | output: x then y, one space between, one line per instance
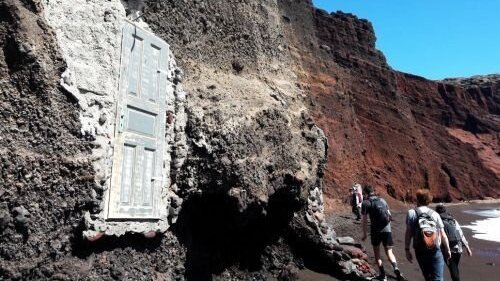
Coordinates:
138 160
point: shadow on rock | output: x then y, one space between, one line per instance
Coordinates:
218 234
83 248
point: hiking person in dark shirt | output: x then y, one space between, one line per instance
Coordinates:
456 240
426 228
380 230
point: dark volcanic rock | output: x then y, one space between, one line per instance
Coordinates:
46 183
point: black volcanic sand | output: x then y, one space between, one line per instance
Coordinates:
484 264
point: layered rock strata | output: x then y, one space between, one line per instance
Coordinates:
394 130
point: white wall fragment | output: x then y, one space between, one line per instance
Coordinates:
89 34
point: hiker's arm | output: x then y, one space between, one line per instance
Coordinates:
469 252
446 244
365 227
408 236
462 237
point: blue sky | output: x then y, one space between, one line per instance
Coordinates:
432 38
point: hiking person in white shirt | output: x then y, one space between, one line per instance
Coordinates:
426 228
356 200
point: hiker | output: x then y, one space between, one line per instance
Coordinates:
426 228
356 200
456 239
380 230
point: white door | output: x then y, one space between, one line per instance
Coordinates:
140 131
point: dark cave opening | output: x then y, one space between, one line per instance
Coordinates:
218 235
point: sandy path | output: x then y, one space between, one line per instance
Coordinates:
484 265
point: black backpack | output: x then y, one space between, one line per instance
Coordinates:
379 213
450 227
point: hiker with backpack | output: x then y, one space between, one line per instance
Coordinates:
380 230
456 239
356 200
426 228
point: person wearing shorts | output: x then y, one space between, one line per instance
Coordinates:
379 235
384 238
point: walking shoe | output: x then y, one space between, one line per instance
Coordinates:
399 275
401 278
379 278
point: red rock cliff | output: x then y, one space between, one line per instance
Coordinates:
398 131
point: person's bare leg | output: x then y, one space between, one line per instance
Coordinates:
378 259
376 253
390 255
392 259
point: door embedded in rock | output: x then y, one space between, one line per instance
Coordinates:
137 179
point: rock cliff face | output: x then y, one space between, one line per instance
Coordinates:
250 187
253 177
280 97
398 131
